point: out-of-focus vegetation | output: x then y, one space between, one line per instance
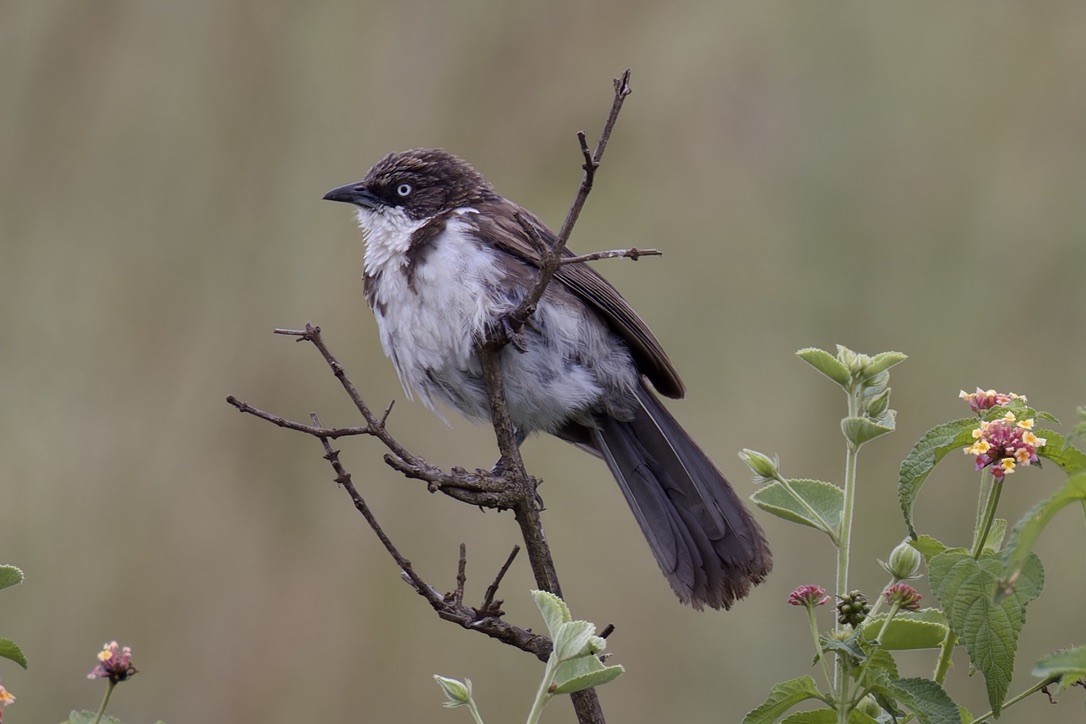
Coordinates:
905 177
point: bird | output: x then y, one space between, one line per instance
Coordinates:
444 257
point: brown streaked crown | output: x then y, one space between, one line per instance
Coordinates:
438 180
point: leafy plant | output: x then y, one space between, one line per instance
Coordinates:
983 590
574 663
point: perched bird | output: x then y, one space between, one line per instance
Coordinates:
446 256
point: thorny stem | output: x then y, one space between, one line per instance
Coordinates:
843 542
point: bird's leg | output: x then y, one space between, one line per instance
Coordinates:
503 464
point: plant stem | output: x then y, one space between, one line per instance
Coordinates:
818 645
105 702
474 712
989 516
1014 700
543 695
843 542
943 664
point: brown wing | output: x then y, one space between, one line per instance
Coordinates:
498 224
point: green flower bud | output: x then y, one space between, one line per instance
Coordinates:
877 405
457 693
904 562
869 706
761 465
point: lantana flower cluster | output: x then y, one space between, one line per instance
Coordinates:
982 400
1004 444
114 663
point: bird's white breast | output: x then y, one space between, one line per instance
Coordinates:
428 313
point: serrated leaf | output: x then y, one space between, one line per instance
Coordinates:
932 447
924 698
859 430
924 629
825 499
1068 666
89 717
879 659
827 716
1027 530
1068 457
554 610
989 629
11 651
571 639
586 681
850 647
884 361
10 576
928 546
783 697
827 364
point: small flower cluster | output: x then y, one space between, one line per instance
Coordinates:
113 665
808 596
1004 444
903 596
982 400
6 698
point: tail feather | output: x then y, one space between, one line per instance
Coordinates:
709 547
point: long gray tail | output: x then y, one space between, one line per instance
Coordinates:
709 547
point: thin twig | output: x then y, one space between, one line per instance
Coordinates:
552 259
461 575
492 589
633 254
329 433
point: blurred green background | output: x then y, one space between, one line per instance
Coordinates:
905 177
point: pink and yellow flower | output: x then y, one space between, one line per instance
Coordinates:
982 400
1004 444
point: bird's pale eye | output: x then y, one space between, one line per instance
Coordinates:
404 190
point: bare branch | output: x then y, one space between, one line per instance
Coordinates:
329 433
461 575
492 589
551 260
633 254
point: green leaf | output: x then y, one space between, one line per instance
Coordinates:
1066 666
932 446
994 542
827 716
599 677
827 364
928 546
850 647
783 697
884 361
989 629
571 639
554 610
859 430
11 651
1029 528
10 576
924 629
878 659
89 717
923 697
1070 459
825 499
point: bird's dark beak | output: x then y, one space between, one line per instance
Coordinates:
355 193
